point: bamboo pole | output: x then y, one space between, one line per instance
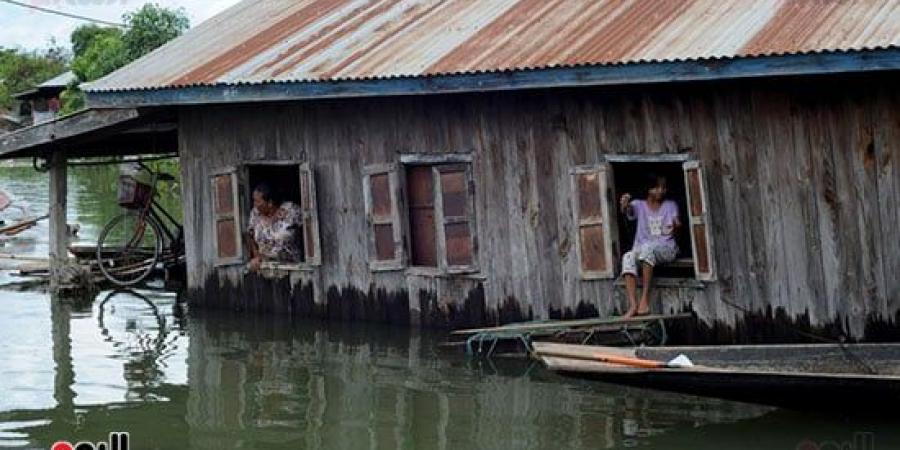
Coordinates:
17 228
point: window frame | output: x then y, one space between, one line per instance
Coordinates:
605 221
441 221
236 215
685 161
701 219
435 162
394 188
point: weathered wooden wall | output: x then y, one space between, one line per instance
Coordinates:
804 186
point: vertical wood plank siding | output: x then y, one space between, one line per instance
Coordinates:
803 182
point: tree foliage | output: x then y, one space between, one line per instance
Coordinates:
151 26
101 50
84 35
21 70
103 55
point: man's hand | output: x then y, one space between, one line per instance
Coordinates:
255 264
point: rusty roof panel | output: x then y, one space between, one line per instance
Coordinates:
259 41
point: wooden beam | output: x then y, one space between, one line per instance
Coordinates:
78 124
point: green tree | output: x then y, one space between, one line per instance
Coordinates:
72 99
102 56
102 50
85 35
21 70
151 26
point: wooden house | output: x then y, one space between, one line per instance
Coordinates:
42 103
458 162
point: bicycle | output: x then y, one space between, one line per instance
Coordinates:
134 242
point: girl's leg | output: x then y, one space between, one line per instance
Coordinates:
629 272
631 290
647 279
651 255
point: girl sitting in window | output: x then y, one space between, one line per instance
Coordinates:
654 240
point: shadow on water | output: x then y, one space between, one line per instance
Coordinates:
135 362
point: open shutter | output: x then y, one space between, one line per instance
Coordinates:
308 207
227 218
454 195
381 186
701 243
594 247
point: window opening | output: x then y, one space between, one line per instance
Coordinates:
629 177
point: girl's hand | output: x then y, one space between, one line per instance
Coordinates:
255 264
625 201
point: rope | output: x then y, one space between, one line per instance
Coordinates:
64 14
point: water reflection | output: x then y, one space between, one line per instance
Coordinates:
260 380
133 362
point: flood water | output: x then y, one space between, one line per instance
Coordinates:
139 362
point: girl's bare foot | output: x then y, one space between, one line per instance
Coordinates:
643 309
630 313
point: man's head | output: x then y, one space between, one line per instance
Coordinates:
656 186
264 199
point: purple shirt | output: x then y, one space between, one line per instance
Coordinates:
655 226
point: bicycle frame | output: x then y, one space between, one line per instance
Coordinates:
153 209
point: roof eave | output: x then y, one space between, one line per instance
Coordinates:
599 75
35 138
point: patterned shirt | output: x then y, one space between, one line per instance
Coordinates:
277 236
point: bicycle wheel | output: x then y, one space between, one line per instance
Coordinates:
129 248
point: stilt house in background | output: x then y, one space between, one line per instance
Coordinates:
458 161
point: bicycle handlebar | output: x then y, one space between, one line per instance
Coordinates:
160 176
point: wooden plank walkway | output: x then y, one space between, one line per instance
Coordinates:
556 325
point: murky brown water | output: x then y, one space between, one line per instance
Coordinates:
138 362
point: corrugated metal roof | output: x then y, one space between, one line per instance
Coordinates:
62 80
259 41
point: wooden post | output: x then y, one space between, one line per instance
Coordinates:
59 253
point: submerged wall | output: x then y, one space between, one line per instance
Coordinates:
804 199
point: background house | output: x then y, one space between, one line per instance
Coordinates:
42 103
457 162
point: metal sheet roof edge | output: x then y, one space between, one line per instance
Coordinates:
817 63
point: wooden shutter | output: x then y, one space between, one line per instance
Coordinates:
422 213
309 208
698 213
594 248
227 218
454 203
385 241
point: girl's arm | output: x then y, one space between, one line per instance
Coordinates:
625 207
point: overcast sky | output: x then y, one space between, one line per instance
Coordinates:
26 28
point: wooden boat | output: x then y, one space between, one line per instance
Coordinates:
806 377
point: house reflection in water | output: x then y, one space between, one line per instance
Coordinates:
264 381
134 363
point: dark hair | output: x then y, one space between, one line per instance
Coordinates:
652 179
266 192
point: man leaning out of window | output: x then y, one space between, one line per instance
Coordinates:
273 229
